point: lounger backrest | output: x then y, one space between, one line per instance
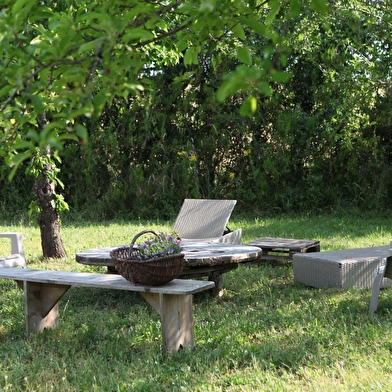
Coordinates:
203 218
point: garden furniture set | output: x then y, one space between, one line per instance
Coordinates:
201 259
209 250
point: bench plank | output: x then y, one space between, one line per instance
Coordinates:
172 301
104 281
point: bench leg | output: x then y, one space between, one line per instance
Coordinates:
41 305
378 277
176 313
177 322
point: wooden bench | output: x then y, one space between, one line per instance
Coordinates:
172 301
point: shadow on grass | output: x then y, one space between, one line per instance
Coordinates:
275 324
263 322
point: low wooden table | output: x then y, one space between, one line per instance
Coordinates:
201 259
284 248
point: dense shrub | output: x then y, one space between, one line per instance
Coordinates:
320 141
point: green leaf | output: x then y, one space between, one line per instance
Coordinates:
294 7
81 131
252 4
137 35
243 54
265 89
100 99
68 136
239 31
6 89
234 82
191 56
19 5
249 107
54 142
33 135
271 16
37 104
23 145
207 6
255 25
15 160
280 76
320 6
89 46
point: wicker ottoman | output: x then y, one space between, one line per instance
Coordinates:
340 268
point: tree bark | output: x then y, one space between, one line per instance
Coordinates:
48 219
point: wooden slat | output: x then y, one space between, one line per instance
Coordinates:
285 244
105 281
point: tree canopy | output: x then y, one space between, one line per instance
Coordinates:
153 82
63 60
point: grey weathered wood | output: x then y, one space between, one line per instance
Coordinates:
284 248
200 259
104 281
177 330
41 305
172 301
196 254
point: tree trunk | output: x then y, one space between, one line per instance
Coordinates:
48 219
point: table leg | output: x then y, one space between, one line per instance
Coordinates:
217 278
41 305
177 323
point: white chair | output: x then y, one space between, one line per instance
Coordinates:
206 220
17 256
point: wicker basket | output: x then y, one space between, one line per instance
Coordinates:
152 272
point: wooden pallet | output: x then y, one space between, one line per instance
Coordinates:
283 248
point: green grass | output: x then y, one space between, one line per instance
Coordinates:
266 333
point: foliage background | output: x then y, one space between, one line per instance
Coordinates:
319 141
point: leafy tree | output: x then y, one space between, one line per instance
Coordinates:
62 61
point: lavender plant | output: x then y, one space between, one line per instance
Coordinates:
161 245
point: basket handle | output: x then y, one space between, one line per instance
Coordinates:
137 236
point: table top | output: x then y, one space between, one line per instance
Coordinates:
291 243
196 254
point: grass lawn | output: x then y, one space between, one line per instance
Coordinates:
265 334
